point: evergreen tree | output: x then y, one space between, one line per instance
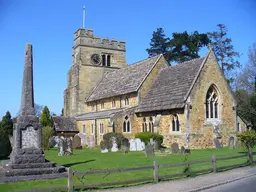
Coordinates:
62 112
46 119
182 47
159 44
7 124
224 50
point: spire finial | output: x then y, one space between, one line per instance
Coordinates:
83 16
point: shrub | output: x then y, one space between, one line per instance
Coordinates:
146 136
248 138
5 144
104 144
47 133
107 137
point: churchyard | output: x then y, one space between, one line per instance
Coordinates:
84 160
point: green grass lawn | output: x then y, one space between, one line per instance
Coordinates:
91 159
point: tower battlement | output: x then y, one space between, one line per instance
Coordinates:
84 37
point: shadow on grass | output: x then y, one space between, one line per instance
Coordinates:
245 152
77 163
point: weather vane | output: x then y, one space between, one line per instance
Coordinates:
83 16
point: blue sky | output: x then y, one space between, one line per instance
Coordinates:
50 24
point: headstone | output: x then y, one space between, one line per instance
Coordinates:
68 143
83 140
114 145
182 149
132 145
76 143
217 143
231 143
61 146
168 151
91 141
125 145
139 145
175 147
143 145
149 150
187 151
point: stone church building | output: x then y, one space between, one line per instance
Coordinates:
189 103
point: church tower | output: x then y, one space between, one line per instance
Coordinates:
92 57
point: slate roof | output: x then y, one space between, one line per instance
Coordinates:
65 124
171 87
98 115
123 81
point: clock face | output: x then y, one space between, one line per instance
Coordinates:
95 59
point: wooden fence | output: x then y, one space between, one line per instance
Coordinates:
155 178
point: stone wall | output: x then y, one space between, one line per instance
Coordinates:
211 74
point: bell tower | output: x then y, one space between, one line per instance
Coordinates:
92 57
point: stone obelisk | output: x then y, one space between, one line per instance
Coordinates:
27 157
27 132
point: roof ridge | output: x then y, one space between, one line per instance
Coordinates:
184 62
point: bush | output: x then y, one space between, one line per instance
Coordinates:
47 133
107 137
5 144
146 136
248 138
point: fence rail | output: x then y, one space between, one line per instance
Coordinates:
155 167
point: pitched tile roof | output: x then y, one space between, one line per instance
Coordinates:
171 87
98 115
123 81
65 124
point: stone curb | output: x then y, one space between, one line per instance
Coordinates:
221 183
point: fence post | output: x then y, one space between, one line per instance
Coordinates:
70 180
214 167
155 171
250 157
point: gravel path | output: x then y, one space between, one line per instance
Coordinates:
193 184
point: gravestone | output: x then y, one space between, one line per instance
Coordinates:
231 143
149 150
132 145
114 145
175 148
125 145
83 138
182 149
91 141
27 157
68 143
61 146
143 145
76 143
139 145
217 143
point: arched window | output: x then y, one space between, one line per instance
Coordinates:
211 103
84 129
101 128
175 123
103 60
150 125
126 101
108 60
113 103
102 105
126 125
144 125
